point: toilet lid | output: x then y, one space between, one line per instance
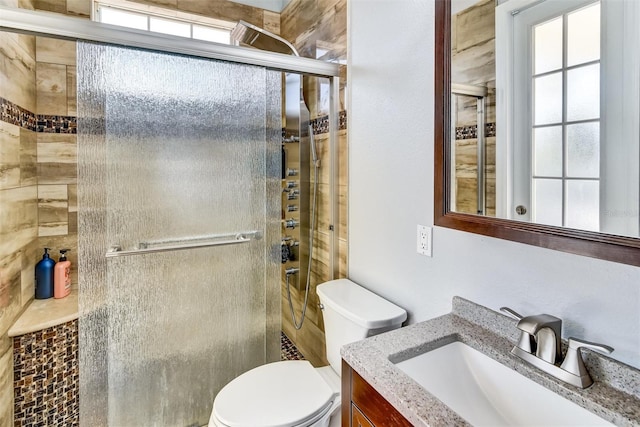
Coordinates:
280 394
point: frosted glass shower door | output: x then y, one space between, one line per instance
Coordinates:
179 232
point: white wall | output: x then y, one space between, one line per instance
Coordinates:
391 191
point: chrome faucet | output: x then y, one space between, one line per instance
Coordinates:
540 344
547 331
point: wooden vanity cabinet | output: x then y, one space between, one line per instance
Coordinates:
363 406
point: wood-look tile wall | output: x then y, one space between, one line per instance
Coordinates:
18 194
57 147
317 28
473 62
37 169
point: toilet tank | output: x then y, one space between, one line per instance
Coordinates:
352 313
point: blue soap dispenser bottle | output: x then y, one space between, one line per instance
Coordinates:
44 276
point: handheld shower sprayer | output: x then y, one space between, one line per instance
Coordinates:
314 151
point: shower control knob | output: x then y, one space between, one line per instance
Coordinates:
293 195
292 172
291 223
292 208
292 184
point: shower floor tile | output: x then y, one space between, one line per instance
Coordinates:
288 350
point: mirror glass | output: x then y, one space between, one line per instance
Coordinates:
545 112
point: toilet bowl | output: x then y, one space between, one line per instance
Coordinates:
294 393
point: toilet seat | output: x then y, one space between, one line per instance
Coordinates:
280 394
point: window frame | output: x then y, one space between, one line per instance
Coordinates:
163 14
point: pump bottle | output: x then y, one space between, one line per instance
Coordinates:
62 276
44 276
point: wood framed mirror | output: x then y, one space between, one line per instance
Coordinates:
602 245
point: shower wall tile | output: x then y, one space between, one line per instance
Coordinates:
53 210
28 158
72 192
10 290
317 29
58 6
57 173
18 218
6 381
57 148
72 109
31 254
343 208
9 155
170 4
223 9
298 17
271 22
79 7
17 70
26 4
51 85
55 51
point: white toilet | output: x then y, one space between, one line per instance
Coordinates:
294 393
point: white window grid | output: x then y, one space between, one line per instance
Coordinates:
165 21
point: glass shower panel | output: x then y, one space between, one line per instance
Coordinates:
174 151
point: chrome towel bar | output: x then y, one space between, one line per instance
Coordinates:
185 243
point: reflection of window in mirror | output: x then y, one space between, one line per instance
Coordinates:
557 114
568 113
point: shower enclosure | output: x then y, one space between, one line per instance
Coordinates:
179 194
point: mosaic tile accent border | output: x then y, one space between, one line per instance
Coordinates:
321 124
16 115
288 351
57 124
471 132
46 377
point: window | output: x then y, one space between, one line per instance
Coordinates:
140 17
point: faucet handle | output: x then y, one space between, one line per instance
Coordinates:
573 362
527 341
511 313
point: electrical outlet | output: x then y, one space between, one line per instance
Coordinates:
424 240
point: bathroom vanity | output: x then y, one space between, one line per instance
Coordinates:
363 406
381 388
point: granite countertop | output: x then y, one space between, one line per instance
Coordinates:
46 313
614 396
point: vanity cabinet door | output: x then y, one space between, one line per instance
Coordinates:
358 419
361 403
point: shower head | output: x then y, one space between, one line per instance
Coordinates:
250 35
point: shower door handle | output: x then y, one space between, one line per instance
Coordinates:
185 243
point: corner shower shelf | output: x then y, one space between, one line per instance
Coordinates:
45 313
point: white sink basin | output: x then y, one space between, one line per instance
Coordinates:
485 392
